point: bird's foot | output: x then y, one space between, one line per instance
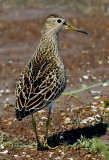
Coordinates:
47 146
40 146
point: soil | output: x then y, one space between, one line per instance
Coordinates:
86 59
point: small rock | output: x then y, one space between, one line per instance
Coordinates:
94 92
30 147
44 118
2 146
10 118
10 123
94 107
6 106
2 91
50 154
4 152
94 77
67 120
101 108
106 109
63 114
7 91
105 84
97 116
85 77
15 155
58 158
41 111
95 103
28 156
89 119
41 123
96 97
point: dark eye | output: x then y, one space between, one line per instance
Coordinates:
59 20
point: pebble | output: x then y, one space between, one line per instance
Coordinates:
4 152
102 102
88 71
101 108
58 158
93 92
62 153
80 80
10 61
67 120
50 154
7 99
94 110
100 62
28 156
106 109
95 103
93 107
88 62
2 146
10 123
15 155
42 137
105 84
7 91
41 123
10 118
94 78
85 51
44 118
63 114
6 106
97 116
87 119
41 111
96 97
30 147
85 77
2 91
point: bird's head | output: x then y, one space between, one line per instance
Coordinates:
56 23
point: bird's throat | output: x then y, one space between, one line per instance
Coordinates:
49 43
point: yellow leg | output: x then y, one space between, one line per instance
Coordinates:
47 126
35 130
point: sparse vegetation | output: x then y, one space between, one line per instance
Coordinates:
19 30
94 146
84 88
16 143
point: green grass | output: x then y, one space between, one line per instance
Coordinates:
16 143
94 146
84 88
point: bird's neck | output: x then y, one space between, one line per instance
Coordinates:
49 43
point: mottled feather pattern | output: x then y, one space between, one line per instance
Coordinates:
35 90
43 79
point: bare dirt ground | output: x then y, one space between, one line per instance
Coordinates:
86 58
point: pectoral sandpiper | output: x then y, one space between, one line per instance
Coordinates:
44 78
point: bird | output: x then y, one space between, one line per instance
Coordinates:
43 79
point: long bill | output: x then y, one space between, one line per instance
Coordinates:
70 27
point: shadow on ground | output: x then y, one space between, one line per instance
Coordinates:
71 136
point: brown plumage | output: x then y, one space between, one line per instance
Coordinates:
36 89
43 79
